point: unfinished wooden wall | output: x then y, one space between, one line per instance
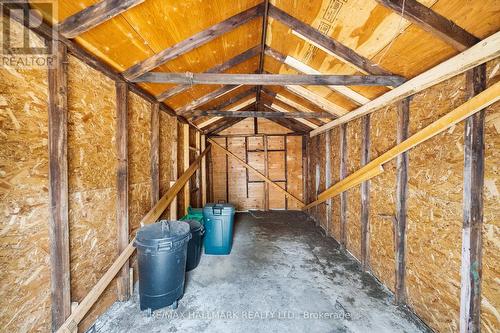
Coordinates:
232 183
92 158
434 231
24 240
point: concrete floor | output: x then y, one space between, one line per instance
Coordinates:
282 275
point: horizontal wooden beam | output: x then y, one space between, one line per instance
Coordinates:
473 105
94 15
193 42
221 125
327 44
432 22
260 114
480 53
271 79
71 323
302 67
256 172
205 99
248 54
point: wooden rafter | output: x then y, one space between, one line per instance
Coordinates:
47 32
248 54
259 114
487 49
319 101
303 68
193 42
271 79
432 22
94 15
225 104
263 39
206 98
327 43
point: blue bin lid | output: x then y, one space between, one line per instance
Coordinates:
162 233
226 207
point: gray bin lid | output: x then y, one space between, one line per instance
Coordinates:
194 225
162 234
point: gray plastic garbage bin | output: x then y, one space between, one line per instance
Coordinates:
162 251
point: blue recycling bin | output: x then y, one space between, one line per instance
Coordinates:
219 221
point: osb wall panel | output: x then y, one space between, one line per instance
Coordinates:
24 239
335 176
294 170
491 229
180 166
435 209
382 197
139 159
353 227
92 182
168 138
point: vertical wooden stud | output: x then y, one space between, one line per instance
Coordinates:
266 173
185 165
173 176
305 168
204 191
471 272
343 195
155 153
401 196
58 187
122 185
365 196
328 179
198 171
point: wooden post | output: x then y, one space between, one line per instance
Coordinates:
471 273
401 196
198 172
174 159
185 166
58 188
305 168
155 153
203 173
328 179
343 195
122 185
365 196
266 173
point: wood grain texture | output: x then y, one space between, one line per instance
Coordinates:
94 15
271 79
343 175
365 196
326 42
472 245
432 22
402 161
122 182
155 153
58 187
192 42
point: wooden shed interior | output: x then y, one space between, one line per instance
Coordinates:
379 119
